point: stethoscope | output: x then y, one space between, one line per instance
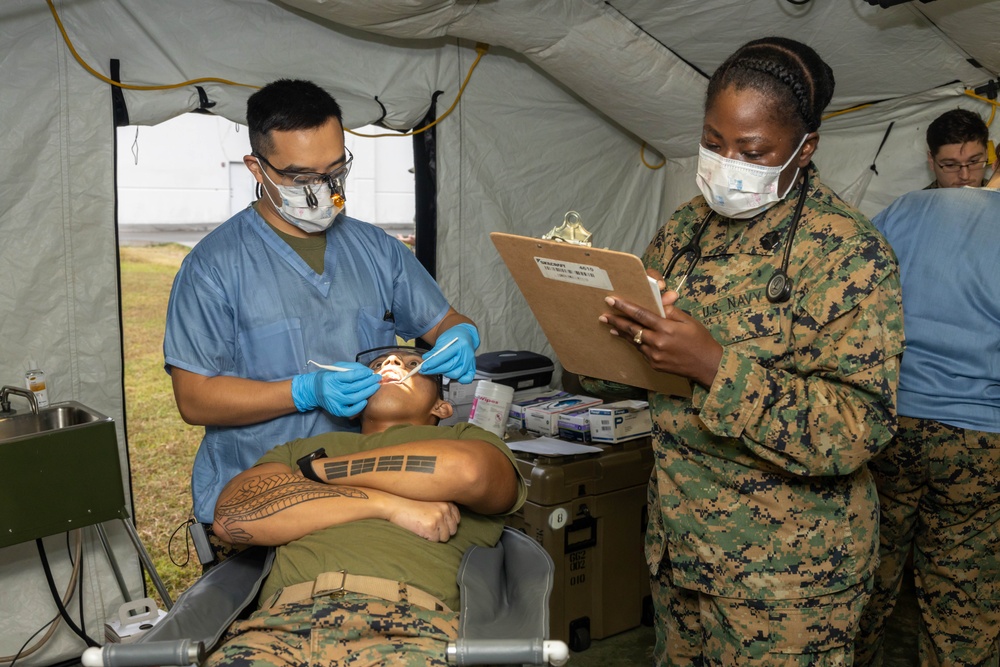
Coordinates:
779 286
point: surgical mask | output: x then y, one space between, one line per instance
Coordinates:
737 189
308 207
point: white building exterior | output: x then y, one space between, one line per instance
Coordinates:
188 173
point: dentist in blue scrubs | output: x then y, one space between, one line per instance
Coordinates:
292 279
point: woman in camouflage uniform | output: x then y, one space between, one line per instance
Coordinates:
763 524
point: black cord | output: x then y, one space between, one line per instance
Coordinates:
79 598
58 600
187 544
28 640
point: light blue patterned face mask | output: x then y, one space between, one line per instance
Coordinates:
737 189
308 207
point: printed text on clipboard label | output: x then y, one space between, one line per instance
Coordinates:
570 272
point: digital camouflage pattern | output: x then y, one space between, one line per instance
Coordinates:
709 631
940 491
350 630
761 482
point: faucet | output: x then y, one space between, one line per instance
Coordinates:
7 390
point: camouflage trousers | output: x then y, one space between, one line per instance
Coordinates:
939 490
698 630
353 630
221 548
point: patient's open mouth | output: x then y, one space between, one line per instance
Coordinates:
391 374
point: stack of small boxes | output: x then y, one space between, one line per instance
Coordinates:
544 418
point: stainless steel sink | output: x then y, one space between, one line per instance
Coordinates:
56 416
59 470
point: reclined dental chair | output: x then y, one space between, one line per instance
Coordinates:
504 613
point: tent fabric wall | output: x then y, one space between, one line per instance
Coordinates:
506 167
554 119
60 298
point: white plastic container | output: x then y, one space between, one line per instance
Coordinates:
491 407
34 381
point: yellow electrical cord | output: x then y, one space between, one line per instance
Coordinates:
843 111
993 110
481 49
993 105
642 156
129 86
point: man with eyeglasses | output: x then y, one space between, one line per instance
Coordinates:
288 280
938 479
370 528
957 149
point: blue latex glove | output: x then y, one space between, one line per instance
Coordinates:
341 393
459 361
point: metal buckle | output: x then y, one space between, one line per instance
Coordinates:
327 584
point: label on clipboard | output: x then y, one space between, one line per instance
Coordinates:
586 274
570 272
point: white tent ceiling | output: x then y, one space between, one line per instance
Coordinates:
644 63
554 118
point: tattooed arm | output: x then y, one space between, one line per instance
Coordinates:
472 473
271 505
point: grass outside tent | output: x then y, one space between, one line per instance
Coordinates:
161 445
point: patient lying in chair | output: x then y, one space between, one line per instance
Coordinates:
370 527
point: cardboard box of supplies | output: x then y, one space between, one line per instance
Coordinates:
621 421
543 418
575 425
519 407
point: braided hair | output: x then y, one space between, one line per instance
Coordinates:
790 73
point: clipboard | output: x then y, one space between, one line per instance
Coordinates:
565 286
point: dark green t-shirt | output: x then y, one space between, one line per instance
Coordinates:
311 249
376 547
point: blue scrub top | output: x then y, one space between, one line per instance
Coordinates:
244 304
947 243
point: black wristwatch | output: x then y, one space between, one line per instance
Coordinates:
305 465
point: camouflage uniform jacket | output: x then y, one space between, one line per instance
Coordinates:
761 480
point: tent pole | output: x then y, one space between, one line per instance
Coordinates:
425 191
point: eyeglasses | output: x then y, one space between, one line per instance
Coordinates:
312 178
952 167
376 357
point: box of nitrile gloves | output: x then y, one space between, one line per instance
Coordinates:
533 397
621 421
543 418
575 425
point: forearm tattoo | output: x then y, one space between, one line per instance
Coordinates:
262 497
395 463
